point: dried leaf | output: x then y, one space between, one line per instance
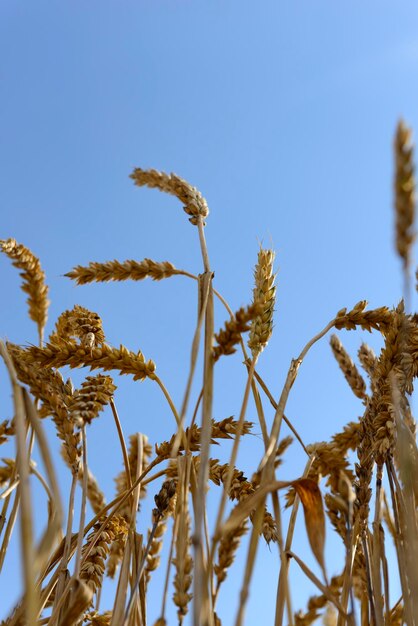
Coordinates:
313 508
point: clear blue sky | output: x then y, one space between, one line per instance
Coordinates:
282 113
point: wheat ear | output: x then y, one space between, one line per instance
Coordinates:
404 185
104 357
33 280
125 270
194 203
348 368
264 293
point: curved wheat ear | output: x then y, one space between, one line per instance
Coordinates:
193 201
33 280
264 293
404 192
348 368
81 323
125 270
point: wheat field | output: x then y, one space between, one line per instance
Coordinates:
362 484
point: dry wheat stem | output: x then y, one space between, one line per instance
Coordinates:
290 379
324 589
274 405
283 592
122 442
203 296
200 589
400 546
22 463
83 506
139 572
53 529
232 461
249 565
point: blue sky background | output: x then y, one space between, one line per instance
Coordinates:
283 115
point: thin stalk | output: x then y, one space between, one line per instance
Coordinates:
121 441
203 297
322 588
274 405
400 548
68 537
201 595
290 379
83 506
140 570
376 552
169 564
169 400
283 595
232 461
346 592
10 525
249 564
370 590
28 551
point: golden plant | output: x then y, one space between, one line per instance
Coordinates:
368 470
